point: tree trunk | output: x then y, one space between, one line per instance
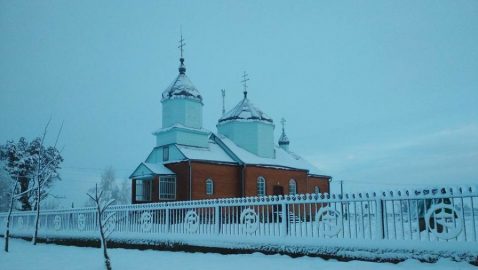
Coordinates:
25 197
7 229
103 241
37 216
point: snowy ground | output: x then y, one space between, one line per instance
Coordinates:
49 256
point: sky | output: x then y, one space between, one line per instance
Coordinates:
378 94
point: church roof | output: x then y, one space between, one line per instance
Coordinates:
182 86
149 169
283 158
245 110
212 153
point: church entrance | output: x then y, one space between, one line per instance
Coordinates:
277 190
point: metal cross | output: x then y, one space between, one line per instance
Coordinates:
244 81
223 91
181 44
282 121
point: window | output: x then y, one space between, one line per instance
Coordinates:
167 188
292 187
165 153
143 190
261 186
317 189
209 187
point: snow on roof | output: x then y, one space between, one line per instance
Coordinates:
182 87
181 126
213 153
283 158
158 168
245 110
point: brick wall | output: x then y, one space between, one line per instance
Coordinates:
276 176
228 183
226 179
182 179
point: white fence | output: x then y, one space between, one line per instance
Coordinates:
443 215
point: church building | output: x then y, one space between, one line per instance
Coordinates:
190 162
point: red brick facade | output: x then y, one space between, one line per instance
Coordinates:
231 180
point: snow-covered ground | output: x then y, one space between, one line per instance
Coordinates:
49 256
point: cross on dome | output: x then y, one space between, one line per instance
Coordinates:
283 140
182 68
244 83
181 43
282 121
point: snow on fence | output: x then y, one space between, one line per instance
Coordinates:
430 215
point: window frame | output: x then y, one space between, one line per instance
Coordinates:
316 189
168 183
261 186
141 197
292 187
209 186
166 153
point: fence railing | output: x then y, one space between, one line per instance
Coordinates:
441 214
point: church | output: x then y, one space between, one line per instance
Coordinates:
190 162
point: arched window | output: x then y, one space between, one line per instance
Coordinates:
317 189
209 187
292 187
261 186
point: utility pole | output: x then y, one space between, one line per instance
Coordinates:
342 188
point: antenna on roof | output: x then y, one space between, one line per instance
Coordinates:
244 83
223 92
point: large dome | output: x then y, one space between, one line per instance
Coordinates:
182 87
245 110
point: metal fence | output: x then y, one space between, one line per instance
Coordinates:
439 214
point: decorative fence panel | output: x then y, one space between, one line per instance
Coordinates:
430 215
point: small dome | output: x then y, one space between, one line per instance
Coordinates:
247 111
182 86
283 140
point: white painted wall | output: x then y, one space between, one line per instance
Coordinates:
156 156
199 138
256 137
184 111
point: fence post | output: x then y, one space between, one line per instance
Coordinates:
217 219
379 219
285 218
167 220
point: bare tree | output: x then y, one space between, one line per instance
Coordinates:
112 189
46 170
103 220
12 200
13 197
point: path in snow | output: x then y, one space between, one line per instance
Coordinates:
24 255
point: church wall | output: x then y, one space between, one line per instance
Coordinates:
274 176
156 155
182 136
182 111
259 139
226 179
265 140
322 182
182 179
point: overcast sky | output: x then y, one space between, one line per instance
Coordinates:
376 93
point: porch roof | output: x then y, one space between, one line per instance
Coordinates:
150 169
